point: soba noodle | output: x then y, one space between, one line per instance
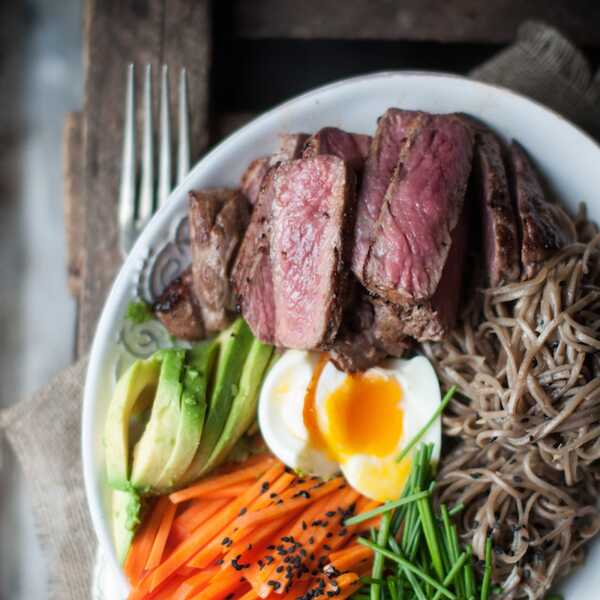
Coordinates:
526 360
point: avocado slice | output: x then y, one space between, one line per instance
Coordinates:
193 411
135 387
153 450
126 516
234 345
243 409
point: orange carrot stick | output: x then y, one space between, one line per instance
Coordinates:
349 558
160 541
143 541
344 586
192 545
220 481
195 584
273 512
230 491
223 584
197 514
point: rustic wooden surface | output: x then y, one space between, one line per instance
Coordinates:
73 200
117 32
486 21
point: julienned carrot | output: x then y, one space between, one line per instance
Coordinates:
234 532
143 541
193 585
246 473
349 558
298 590
197 514
227 582
250 595
160 541
272 512
343 586
230 491
192 545
166 592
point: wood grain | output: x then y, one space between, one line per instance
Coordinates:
490 21
117 32
73 199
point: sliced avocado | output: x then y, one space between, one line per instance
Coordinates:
234 345
154 448
135 387
243 409
193 410
126 516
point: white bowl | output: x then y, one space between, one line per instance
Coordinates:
569 159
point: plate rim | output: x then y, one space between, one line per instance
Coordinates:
88 426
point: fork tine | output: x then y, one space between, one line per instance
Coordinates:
127 186
164 172
183 149
145 207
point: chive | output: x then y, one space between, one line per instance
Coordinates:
388 506
382 540
412 580
456 567
429 529
438 411
487 571
393 588
469 575
456 509
407 565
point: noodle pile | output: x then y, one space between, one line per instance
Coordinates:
526 359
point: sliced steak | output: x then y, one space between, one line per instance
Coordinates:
351 147
253 176
311 231
370 331
177 309
500 237
408 229
545 227
218 219
252 274
434 318
290 147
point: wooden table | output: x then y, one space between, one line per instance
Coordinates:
243 56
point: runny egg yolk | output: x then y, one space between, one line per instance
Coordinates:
364 416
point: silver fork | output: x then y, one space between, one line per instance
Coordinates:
137 204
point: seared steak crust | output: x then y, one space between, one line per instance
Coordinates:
218 219
498 219
177 310
545 227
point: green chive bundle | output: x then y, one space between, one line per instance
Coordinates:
418 554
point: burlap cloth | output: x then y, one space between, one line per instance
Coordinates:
44 431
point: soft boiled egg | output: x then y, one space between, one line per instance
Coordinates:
320 420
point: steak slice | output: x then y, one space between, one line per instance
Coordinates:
290 147
433 319
351 147
177 310
545 227
370 331
253 176
311 226
411 237
218 219
252 273
498 219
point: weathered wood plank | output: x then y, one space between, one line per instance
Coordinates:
174 32
73 200
493 21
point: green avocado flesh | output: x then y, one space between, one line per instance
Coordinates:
134 388
126 509
235 343
193 411
154 449
243 409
